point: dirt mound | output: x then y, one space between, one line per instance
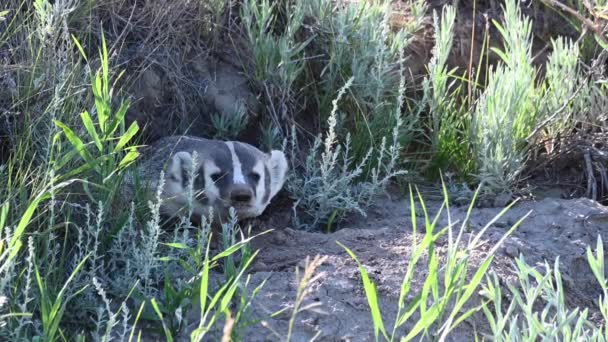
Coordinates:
555 227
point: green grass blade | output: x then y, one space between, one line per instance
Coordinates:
411 309
75 141
160 315
371 294
3 215
15 242
58 301
227 299
141 309
77 43
119 117
424 322
126 138
90 127
205 279
128 159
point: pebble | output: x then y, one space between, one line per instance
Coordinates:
512 251
502 200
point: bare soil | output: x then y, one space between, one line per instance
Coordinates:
382 241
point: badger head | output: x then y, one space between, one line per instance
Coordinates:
227 174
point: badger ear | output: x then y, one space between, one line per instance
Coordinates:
277 166
178 167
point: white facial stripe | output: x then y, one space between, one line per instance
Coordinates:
260 187
238 177
212 192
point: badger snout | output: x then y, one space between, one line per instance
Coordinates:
241 194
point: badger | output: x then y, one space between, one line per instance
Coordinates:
226 174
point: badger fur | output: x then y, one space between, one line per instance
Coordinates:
227 174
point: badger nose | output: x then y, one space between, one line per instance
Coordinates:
241 194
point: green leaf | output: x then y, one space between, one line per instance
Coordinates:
128 159
424 322
3 215
77 43
75 141
88 124
105 66
227 298
119 117
141 309
205 280
601 42
500 54
597 264
125 138
411 309
371 294
177 245
160 315
15 243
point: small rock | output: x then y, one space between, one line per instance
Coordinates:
280 237
501 224
503 199
512 251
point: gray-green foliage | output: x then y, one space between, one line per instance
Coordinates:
534 289
330 185
229 127
569 99
518 108
277 58
449 118
356 40
507 110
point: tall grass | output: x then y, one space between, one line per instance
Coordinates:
449 117
438 307
357 40
534 288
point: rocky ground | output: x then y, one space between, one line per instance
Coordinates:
382 241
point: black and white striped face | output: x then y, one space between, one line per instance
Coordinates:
229 174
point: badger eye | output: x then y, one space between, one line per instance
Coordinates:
216 176
255 176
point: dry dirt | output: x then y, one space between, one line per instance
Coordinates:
382 241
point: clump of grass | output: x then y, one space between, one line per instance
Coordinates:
276 57
356 40
562 80
110 138
271 137
449 127
534 288
506 113
439 304
229 127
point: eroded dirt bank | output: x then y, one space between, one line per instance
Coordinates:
382 241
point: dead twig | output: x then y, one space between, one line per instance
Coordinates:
595 27
591 181
555 114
